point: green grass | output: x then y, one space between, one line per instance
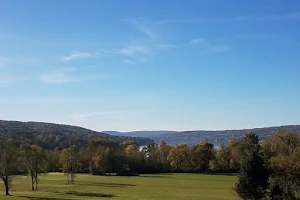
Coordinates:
163 186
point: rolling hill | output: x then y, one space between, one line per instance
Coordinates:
50 136
215 137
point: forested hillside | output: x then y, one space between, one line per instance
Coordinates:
217 137
50 136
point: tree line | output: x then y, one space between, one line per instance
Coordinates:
267 169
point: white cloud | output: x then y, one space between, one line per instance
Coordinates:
67 75
129 61
4 62
198 41
6 80
133 50
56 77
163 46
288 16
207 46
80 55
148 30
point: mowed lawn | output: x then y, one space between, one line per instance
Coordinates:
162 186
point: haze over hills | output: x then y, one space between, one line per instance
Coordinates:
50 135
214 137
139 133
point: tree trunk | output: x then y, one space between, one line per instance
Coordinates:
6 185
32 182
36 182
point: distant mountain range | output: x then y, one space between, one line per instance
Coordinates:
138 133
51 135
194 137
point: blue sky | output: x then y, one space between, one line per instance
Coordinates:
151 65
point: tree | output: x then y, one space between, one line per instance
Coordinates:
164 151
201 155
179 158
106 156
35 160
282 153
53 157
151 156
222 159
235 155
8 162
133 158
253 178
69 158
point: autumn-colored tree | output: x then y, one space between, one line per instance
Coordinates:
133 158
282 152
201 155
53 157
222 159
235 155
164 151
106 155
69 159
8 162
36 162
179 158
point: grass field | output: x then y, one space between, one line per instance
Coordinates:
164 186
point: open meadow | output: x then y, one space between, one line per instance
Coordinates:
159 186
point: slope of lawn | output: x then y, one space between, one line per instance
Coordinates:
162 186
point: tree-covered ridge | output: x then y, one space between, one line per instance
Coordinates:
218 137
50 136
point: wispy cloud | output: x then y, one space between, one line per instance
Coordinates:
6 80
120 116
129 62
141 49
198 41
257 36
144 27
288 16
135 53
207 46
5 62
80 55
67 75
44 100
56 77
163 46
133 50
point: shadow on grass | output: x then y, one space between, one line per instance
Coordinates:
89 194
110 184
42 198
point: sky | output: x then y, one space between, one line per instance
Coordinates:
151 65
